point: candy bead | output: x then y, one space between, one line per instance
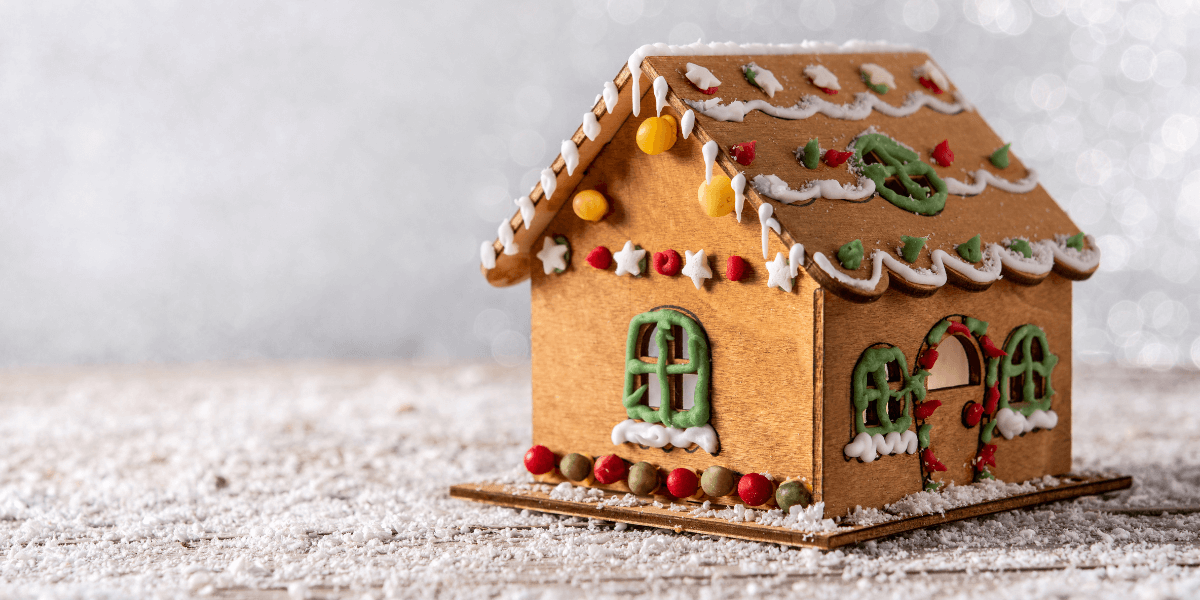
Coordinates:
792 493
643 478
539 459
754 489
657 134
575 466
590 205
610 469
682 483
735 269
717 481
600 257
716 198
667 262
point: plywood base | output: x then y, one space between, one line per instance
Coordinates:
536 496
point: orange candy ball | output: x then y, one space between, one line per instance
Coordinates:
716 198
590 205
657 134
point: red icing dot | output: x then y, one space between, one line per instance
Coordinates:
539 459
924 409
735 269
958 328
600 257
834 158
667 262
972 413
942 153
931 462
929 357
682 483
743 152
925 81
610 469
754 489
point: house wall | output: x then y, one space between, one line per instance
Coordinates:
904 321
761 338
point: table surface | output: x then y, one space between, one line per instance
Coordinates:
329 480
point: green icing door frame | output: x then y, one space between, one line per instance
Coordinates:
699 363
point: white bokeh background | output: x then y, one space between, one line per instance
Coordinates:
259 180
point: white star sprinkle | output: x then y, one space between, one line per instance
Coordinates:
696 267
780 273
628 259
553 256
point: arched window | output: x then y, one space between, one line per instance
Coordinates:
667 370
1025 373
883 392
957 364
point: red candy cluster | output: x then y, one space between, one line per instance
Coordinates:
743 152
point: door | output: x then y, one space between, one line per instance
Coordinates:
954 380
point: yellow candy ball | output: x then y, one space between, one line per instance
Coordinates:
657 134
590 205
716 198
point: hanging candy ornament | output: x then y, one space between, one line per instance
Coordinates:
657 134
667 262
539 460
735 269
716 198
754 489
600 257
834 158
590 205
923 410
610 469
930 461
682 483
743 152
942 154
972 414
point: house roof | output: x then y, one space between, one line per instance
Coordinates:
824 208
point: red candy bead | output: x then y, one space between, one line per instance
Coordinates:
958 328
667 262
923 410
735 269
539 459
754 489
972 414
942 154
600 257
929 357
743 152
931 462
834 158
609 469
682 483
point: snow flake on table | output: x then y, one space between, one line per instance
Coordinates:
864 103
696 267
553 256
627 259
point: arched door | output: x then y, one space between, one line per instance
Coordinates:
955 381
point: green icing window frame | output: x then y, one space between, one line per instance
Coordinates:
1022 338
901 163
872 369
699 363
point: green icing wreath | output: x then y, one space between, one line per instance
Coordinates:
903 164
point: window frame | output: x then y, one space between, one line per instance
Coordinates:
667 367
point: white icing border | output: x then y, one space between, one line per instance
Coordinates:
657 436
1012 423
868 447
864 103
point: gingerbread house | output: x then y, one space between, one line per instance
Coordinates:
811 263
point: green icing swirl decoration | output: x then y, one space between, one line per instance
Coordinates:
903 164
870 384
699 363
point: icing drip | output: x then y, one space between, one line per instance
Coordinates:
984 178
878 75
657 436
1012 423
487 256
687 122
505 234
591 126
822 77
768 222
739 193
611 96
795 259
527 210
710 154
808 106
660 94
778 273
549 182
570 154
774 187
868 447
701 77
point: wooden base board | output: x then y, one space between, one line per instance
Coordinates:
536 496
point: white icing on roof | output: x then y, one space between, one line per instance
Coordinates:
591 125
822 77
774 187
764 79
701 77
878 75
864 103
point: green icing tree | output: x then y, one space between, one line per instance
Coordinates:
1022 246
903 164
811 154
1076 241
999 158
911 248
851 254
971 251
699 362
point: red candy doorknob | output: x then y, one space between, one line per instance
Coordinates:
539 460
754 489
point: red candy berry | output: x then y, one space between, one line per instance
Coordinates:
993 397
682 483
942 153
929 357
830 91
743 152
990 349
539 459
610 469
735 269
987 456
600 257
667 262
972 414
834 158
754 489
927 82
923 410
931 462
708 91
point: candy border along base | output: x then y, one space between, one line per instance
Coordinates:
538 498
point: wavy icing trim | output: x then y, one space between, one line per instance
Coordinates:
864 103
1012 423
868 447
730 48
984 178
774 187
657 436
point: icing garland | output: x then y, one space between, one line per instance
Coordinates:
864 103
698 364
774 187
657 436
902 163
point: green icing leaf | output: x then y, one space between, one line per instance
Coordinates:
936 334
749 73
1022 246
903 164
851 255
912 247
561 240
976 326
878 88
999 158
1076 241
923 435
812 154
970 251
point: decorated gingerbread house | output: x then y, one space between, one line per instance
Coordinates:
788 274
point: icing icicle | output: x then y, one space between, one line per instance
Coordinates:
687 122
611 96
657 436
768 222
774 187
739 193
549 182
591 126
808 106
525 205
796 259
710 154
505 234
487 256
570 154
660 94
868 447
